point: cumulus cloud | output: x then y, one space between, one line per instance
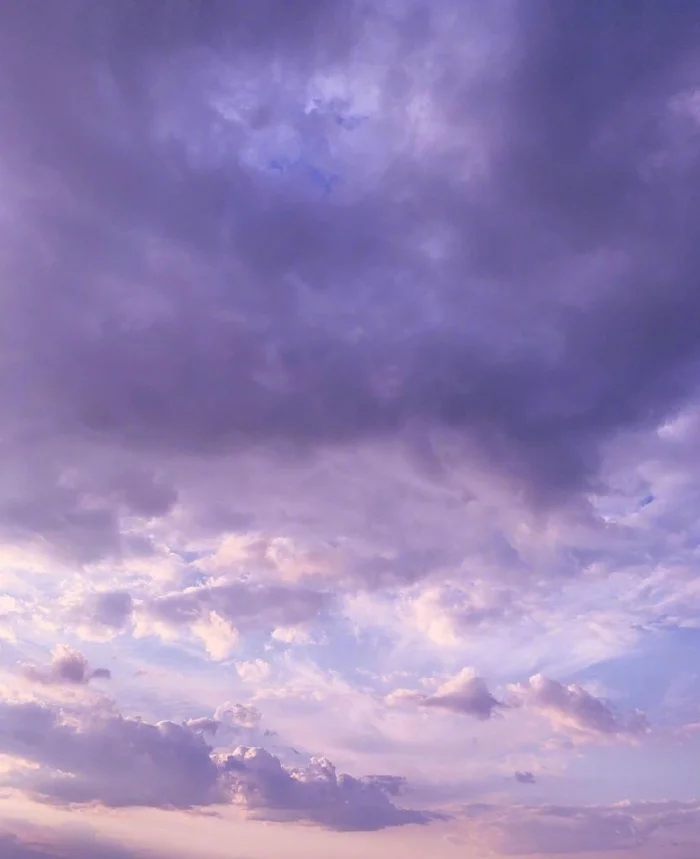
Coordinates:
68 667
253 671
405 287
238 715
217 613
108 759
465 694
117 761
447 613
317 792
573 710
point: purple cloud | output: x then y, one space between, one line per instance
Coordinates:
465 694
120 762
26 842
240 603
572 709
525 777
316 793
185 305
408 293
68 667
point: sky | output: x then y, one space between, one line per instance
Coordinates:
349 418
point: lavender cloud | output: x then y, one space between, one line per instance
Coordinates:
68 667
109 610
572 709
316 793
108 759
411 287
20 841
115 761
465 694
524 777
186 303
215 612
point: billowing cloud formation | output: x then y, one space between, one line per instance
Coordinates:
238 715
117 761
466 694
217 613
68 667
258 781
406 292
571 709
193 296
108 759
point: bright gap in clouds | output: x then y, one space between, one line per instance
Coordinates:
349 428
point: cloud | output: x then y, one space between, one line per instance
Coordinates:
447 613
317 793
564 830
21 841
216 613
96 757
321 320
407 292
68 667
525 778
108 759
109 610
253 671
238 715
465 694
571 709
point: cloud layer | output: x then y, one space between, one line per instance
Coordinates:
344 345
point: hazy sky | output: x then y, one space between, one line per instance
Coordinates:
349 429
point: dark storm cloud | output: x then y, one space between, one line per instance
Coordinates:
158 298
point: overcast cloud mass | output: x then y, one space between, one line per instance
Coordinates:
349 419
